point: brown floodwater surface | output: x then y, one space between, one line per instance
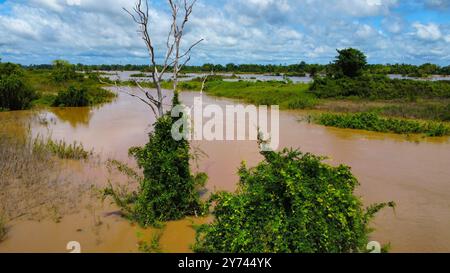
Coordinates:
412 171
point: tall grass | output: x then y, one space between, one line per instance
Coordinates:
286 95
34 183
61 148
373 122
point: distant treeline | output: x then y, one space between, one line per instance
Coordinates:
294 69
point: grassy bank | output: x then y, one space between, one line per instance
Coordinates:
377 123
426 100
42 81
286 95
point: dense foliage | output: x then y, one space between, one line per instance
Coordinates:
168 190
290 202
72 97
379 87
15 92
349 62
423 70
63 71
298 68
374 122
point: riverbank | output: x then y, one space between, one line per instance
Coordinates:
290 96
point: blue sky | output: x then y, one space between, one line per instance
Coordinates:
238 31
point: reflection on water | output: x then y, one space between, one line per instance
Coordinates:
412 171
75 116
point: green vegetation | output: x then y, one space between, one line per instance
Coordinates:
72 97
61 149
34 184
290 202
61 85
379 87
63 71
153 246
287 95
168 190
373 122
350 62
139 75
437 110
423 70
297 69
15 92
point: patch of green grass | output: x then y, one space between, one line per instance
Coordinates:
373 122
62 149
380 87
43 82
139 75
432 111
286 95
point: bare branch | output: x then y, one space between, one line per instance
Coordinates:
140 16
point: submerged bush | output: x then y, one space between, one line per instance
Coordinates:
72 97
168 190
15 93
290 202
374 122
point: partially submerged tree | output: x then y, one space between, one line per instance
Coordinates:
168 190
174 59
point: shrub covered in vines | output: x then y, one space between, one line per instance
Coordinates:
168 189
290 202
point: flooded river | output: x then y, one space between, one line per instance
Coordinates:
412 171
131 75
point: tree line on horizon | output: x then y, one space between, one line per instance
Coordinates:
294 69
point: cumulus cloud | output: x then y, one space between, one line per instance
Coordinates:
240 31
429 31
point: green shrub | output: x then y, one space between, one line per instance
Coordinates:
64 71
290 202
379 87
168 190
373 122
15 93
72 97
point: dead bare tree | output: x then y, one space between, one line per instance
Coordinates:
174 58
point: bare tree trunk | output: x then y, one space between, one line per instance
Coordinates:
173 59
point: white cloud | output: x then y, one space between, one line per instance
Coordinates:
241 31
429 31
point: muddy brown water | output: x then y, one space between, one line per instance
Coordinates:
412 171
